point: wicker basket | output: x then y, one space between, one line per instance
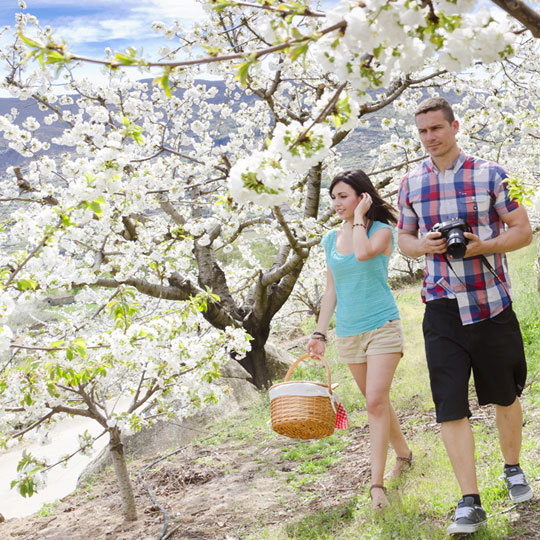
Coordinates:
303 409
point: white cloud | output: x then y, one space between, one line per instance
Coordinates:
106 21
80 30
186 9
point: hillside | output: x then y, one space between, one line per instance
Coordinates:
241 481
356 144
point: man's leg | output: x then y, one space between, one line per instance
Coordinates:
509 424
500 372
458 440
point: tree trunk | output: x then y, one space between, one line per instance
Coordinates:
538 269
122 475
255 361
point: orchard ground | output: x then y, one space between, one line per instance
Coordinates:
242 481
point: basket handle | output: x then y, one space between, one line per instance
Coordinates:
316 357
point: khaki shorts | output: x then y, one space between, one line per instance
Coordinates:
386 339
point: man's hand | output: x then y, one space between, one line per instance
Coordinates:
475 245
433 242
414 246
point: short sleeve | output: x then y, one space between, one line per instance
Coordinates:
503 201
408 220
378 225
324 241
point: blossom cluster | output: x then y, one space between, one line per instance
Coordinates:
155 208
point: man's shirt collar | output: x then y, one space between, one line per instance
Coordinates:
454 167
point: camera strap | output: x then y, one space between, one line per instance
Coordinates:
488 266
495 275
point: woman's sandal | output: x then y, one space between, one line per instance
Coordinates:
402 464
383 503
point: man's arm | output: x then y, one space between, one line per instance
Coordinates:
518 234
412 246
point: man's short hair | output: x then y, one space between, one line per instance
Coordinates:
436 104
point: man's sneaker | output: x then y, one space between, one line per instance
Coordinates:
469 517
518 487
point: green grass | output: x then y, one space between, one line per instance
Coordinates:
423 501
48 509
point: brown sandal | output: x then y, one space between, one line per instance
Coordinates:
382 504
402 464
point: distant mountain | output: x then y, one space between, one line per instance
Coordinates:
353 148
9 157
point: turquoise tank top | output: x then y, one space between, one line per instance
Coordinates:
364 298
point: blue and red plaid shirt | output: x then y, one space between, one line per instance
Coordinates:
472 189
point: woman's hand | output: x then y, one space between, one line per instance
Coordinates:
316 346
362 207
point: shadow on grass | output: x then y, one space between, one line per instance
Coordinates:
410 521
323 525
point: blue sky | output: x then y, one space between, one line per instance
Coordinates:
88 26
91 25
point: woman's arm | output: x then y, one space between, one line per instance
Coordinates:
365 248
328 305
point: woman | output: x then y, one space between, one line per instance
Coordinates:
368 328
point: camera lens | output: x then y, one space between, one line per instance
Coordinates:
456 243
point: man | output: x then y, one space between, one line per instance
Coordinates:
468 323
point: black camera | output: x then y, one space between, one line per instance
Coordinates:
456 243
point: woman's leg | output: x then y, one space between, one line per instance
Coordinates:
397 439
374 380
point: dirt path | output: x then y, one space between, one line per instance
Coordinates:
220 491
214 492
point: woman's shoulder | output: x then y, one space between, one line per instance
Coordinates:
328 237
377 225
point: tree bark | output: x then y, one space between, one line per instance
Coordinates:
538 269
523 13
255 361
122 475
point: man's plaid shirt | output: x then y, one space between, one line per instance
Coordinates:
472 189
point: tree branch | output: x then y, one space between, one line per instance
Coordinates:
306 13
112 63
182 288
522 13
34 425
278 273
30 256
293 242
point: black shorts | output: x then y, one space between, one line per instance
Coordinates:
493 349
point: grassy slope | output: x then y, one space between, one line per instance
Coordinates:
424 500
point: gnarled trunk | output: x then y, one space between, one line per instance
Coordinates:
122 475
255 362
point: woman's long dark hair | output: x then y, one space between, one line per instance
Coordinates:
380 210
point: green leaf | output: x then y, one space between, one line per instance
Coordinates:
54 57
298 50
124 60
31 42
163 82
96 208
221 5
27 284
243 73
